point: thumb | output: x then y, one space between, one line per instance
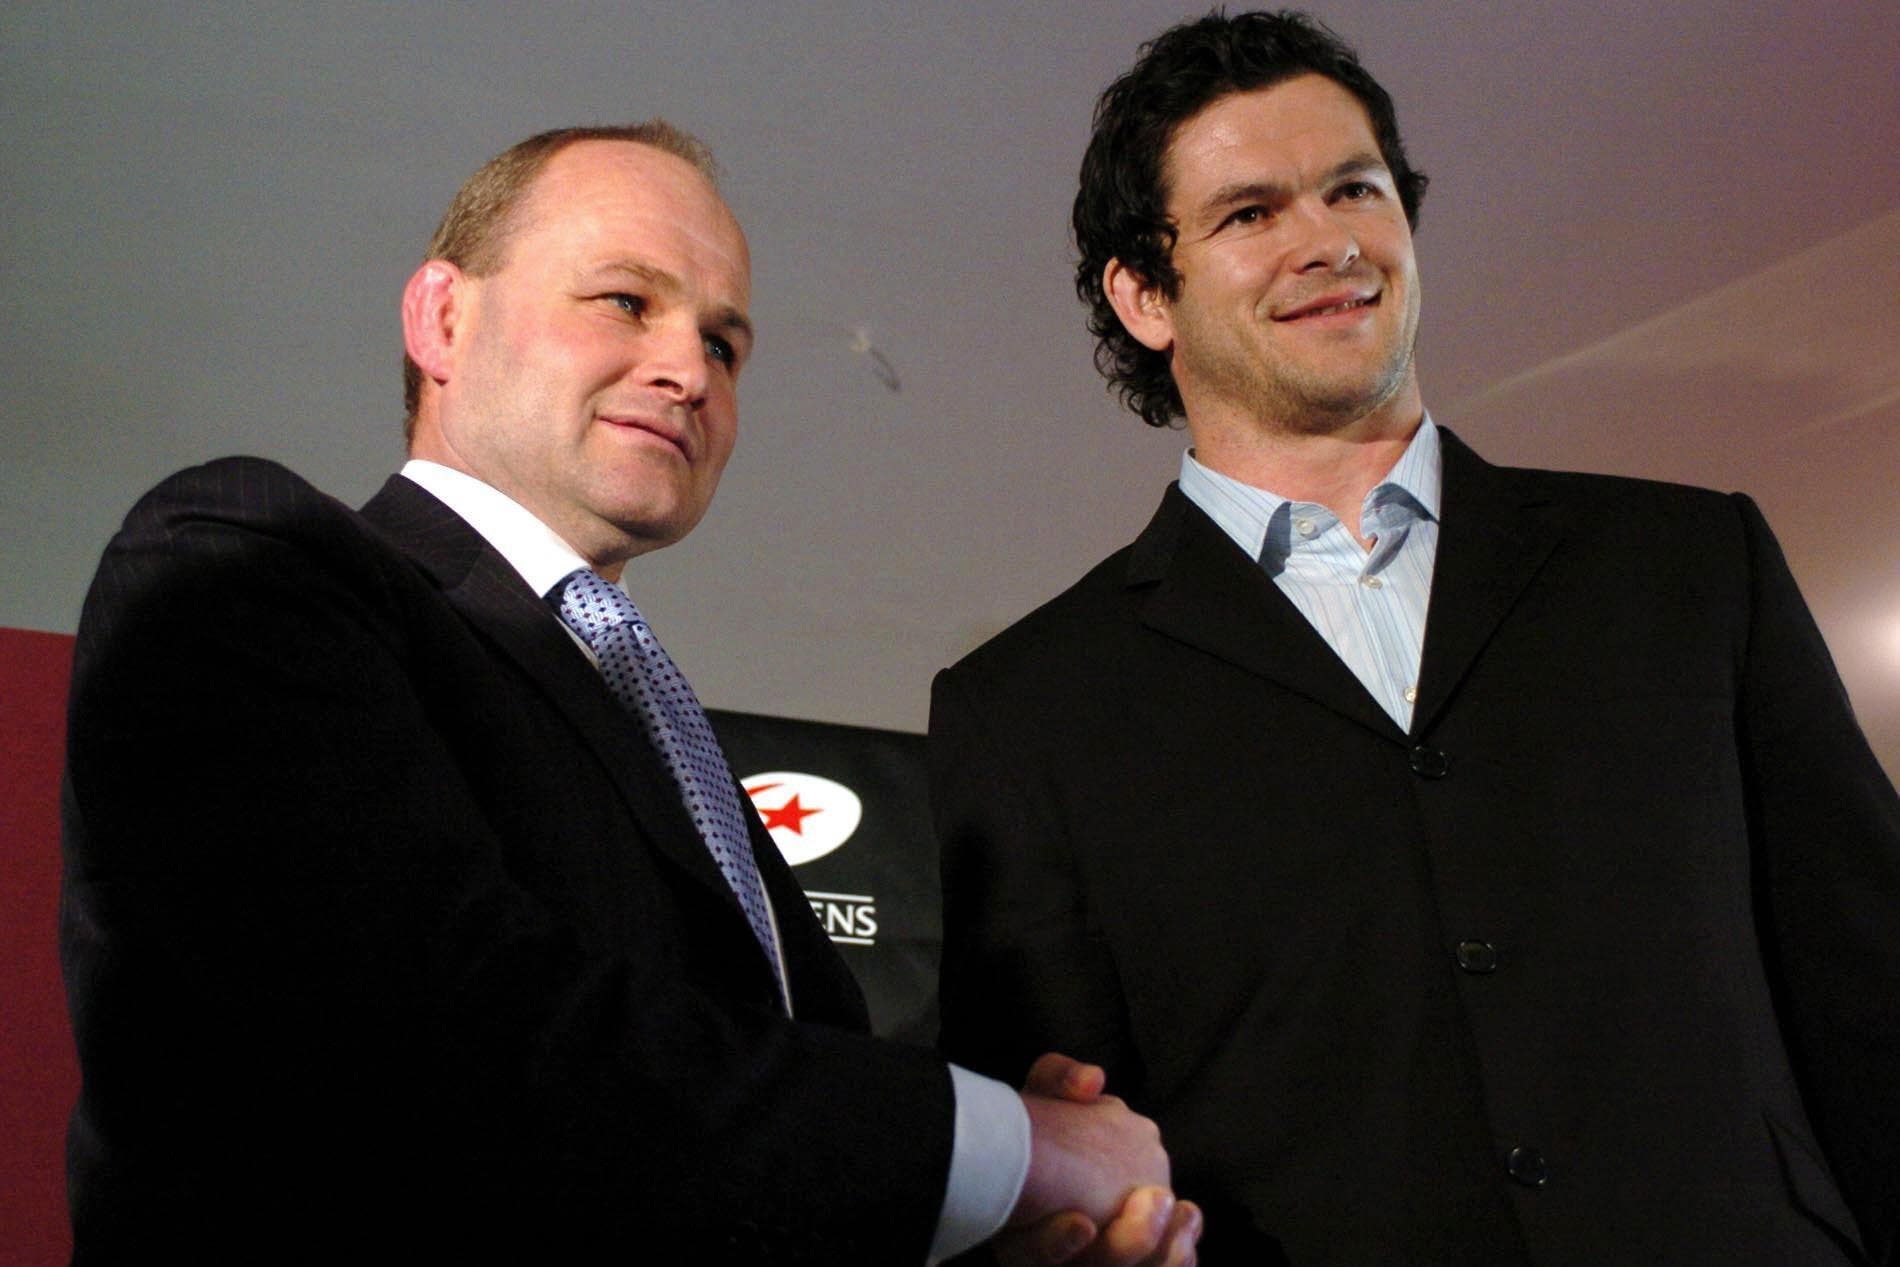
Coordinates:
1063 1077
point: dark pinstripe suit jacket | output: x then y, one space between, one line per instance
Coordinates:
385 933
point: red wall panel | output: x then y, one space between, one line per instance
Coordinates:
39 1077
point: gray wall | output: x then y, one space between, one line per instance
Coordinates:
1660 239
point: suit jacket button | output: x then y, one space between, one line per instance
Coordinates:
1477 957
1527 1167
1429 763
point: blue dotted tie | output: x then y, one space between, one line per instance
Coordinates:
648 684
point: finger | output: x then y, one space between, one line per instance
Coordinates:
1065 1078
1186 1235
1046 1242
1139 1233
1084 1082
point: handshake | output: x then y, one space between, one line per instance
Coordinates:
1098 1190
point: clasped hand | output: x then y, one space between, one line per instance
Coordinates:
1098 1192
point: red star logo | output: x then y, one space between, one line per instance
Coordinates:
791 814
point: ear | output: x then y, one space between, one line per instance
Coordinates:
432 306
1143 310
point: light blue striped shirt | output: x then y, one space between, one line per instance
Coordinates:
1369 605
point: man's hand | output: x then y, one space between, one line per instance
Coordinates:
1151 1230
1097 1193
1087 1156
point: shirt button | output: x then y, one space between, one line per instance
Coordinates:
1411 695
1477 957
1372 582
1303 526
1527 1167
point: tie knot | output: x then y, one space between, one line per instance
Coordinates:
591 604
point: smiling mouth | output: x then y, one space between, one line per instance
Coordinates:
658 432
1331 309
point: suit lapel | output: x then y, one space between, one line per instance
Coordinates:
1492 539
1191 583
491 596
823 988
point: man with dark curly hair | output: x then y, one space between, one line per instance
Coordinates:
1560 926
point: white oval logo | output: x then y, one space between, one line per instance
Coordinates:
807 816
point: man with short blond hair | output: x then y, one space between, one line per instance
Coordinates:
411 910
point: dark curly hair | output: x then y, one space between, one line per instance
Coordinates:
1121 207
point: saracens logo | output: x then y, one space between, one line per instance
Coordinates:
808 816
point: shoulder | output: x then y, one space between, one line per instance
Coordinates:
1090 622
1592 505
1624 492
1055 625
1096 637
1712 538
238 494
235 512
236 539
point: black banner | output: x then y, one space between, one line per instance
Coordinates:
849 808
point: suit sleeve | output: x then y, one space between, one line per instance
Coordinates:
314 986
1025 970
1826 829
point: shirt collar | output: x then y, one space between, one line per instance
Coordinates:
532 548
1244 512
1420 469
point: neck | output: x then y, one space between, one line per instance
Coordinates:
1331 468
604 550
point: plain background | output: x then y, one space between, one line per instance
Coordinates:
1660 239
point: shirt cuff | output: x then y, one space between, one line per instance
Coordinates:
988 1163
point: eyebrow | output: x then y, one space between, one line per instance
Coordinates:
1244 191
726 319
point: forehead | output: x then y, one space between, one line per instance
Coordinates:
596 201
1302 123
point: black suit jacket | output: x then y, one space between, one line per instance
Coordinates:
1600 964
385 932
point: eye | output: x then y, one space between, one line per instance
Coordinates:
721 350
1248 215
1358 191
632 305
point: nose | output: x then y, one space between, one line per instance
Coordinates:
1326 241
675 362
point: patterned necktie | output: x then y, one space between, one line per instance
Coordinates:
648 684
